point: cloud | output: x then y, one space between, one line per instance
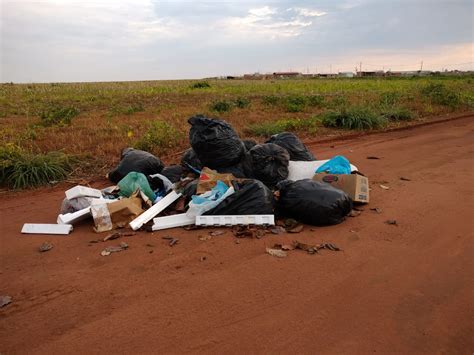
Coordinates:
309 12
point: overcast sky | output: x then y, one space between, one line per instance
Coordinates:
108 40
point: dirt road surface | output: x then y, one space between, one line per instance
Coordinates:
394 289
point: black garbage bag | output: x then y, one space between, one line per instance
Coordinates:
249 144
243 169
173 172
313 202
190 189
250 197
190 161
138 161
269 163
293 145
215 142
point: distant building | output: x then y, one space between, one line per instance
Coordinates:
286 75
345 74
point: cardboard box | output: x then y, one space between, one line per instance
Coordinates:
355 185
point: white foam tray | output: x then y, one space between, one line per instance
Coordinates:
177 220
42 228
229 220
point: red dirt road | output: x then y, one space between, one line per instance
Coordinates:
394 289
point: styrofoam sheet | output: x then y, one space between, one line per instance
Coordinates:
43 228
177 220
154 210
299 170
71 218
229 220
82 191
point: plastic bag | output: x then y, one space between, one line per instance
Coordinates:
190 161
293 145
209 200
313 202
250 197
138 161
215 142
269 163
173 172
337 165
249 144
133 181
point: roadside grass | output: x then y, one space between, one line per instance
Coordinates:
356 118
58 116
21 169
159 135
283 125
439 94
398 113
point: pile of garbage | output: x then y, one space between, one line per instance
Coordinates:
221 180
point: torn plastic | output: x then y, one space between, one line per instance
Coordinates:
202 203
135 181
336 165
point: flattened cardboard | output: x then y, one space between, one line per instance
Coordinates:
354 185
208 180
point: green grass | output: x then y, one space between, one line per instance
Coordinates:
200 85
283 125
221 106
356 118
398 113
439 94
21 169
158 136
58 116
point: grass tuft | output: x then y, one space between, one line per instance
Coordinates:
439 94
159 135
20 169
221 106
58 116
353 118
200 85
396 113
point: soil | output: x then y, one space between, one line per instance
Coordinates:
395 288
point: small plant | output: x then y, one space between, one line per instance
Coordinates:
242 102
159 135
200 85
439 94
338 101
353 118
295 103
271 100
316 100
221 106
274 127
398 114
137 107
20 169
389 98
58 116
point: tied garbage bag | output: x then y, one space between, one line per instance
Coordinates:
250 197
336 165
207 201
313 202
293 145
135 160
249 143
190 161
215 142
269 163
135 181
173 172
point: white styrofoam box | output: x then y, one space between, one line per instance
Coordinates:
228 220
82 191
43 228
71 218
299 170
177 220
154 210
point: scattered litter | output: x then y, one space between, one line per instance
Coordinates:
45 247
237 241
42 228
204 237
299 170
313 249
4 300
372 157
203 258
405 179
114 249
173 241
354 213
376 210
117 235
82 191
356 186
384 187
283 246
277 252
278 230
248 232
216 233
392 222
296 229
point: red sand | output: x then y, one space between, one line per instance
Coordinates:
394 289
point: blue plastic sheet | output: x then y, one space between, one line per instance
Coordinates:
337 165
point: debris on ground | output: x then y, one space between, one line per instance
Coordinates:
384 187
296 229
277 252
4 300
405 179
354 213
278 230
376 210
172 240
117 235
216 233
114 249
373 157
312 249
45 247
392 222
204 237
